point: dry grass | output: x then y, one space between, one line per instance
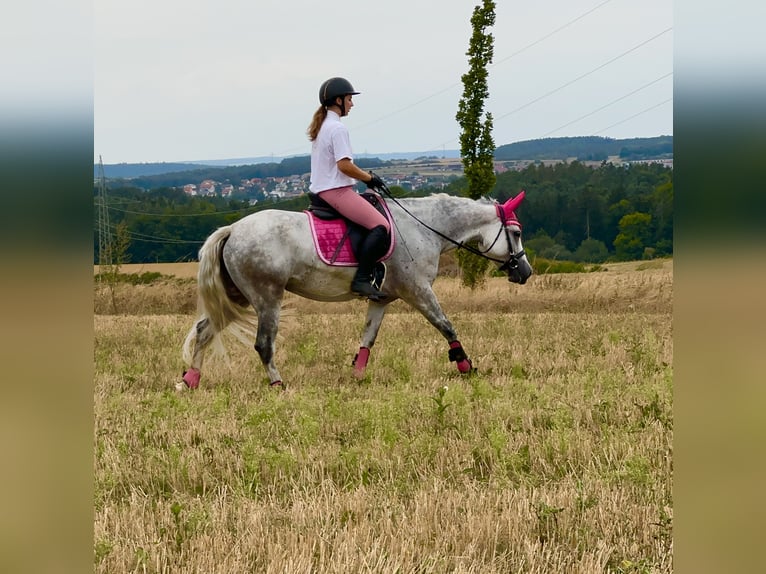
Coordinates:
186 270
555 457
632 286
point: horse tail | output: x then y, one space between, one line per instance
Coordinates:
218 299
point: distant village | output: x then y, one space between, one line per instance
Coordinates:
407 175
286 187
435 173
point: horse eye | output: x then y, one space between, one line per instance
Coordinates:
517 234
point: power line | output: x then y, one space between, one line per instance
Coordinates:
569 83
607 105
163 241
134 235
104 229
211 213
586 74
166 240
516 53
635 115
556 31
456 84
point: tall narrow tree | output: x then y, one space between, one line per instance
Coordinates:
477 148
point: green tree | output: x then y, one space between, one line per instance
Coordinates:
543 245
477 147
634 236
591 251
662 200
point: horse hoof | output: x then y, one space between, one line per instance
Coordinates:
191 378
279 385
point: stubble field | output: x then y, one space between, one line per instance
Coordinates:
556 456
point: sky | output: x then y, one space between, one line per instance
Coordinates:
186 80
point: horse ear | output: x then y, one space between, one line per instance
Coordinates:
511 205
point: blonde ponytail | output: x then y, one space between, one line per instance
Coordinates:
316 123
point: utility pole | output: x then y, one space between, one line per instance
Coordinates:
104 228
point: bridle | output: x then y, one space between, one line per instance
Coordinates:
509 265
512 263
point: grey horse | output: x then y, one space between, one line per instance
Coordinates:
245 269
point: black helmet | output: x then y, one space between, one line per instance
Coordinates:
333 88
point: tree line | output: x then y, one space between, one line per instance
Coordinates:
587 148
571 212
578 213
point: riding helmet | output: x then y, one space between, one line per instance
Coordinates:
333 88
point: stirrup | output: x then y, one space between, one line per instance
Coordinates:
368 290
379 275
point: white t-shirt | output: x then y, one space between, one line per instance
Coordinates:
331 145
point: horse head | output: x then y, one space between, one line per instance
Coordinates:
517 266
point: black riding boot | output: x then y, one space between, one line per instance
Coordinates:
373 248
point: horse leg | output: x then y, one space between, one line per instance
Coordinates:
203 334
375 312
429 307
265 339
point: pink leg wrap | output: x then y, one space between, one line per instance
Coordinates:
360 362
463 362
191 378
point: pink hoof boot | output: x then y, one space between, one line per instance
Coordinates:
457 354
464 366
360 362
191 378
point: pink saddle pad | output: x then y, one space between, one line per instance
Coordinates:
332 243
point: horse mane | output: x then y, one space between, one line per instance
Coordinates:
441 195
451 202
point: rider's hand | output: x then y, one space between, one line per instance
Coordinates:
375 182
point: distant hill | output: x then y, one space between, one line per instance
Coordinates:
587 148
296 165
133 170
129 170
442 153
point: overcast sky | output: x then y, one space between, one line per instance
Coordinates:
184 80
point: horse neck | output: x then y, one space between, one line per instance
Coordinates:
459 218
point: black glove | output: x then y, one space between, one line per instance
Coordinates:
375 182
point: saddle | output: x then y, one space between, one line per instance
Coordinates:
338 240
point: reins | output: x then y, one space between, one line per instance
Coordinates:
512 261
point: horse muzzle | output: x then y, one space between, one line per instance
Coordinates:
514 276
519 270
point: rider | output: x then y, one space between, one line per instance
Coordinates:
333 175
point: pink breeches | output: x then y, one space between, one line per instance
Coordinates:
350 204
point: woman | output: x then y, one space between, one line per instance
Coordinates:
334 174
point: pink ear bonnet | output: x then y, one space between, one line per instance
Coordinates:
510 206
